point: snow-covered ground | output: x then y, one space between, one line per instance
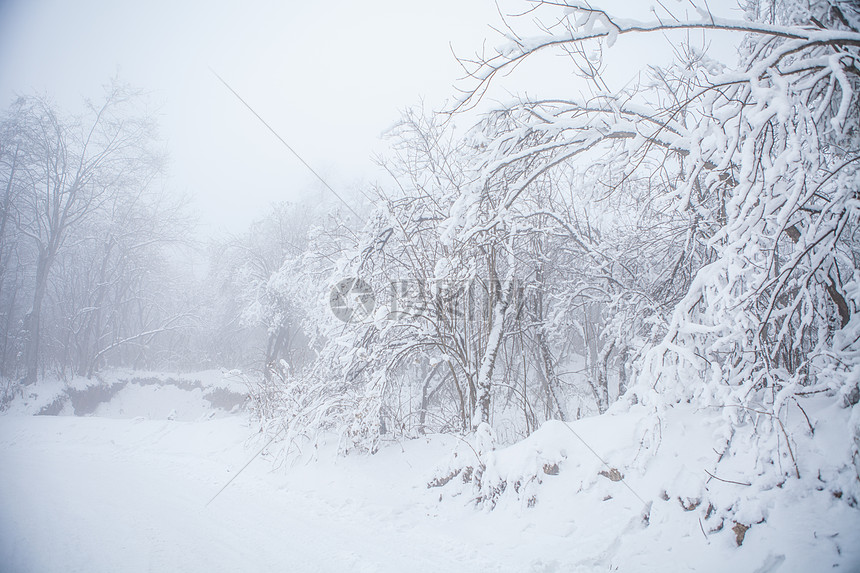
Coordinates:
108 492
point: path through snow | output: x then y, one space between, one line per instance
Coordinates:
95 494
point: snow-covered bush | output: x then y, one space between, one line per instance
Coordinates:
755 167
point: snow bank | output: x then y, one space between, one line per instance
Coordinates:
132 394
671 481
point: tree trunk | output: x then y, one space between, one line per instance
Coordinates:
603 377
622 371
552 381
427 396
488 362
4 215
32 321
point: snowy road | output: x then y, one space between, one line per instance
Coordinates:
92 494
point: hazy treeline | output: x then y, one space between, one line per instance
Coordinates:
99 265
84 276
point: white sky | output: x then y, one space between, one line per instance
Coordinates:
329 76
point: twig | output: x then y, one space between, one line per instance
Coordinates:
702 527
726 480
811 429
781 427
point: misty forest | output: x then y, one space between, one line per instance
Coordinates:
592 330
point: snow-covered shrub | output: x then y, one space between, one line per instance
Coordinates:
488 473
755 311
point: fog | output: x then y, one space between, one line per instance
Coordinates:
329 77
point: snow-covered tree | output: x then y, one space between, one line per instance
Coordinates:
753 167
